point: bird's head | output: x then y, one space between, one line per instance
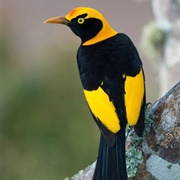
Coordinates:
87 23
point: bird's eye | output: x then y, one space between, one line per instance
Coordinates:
81 20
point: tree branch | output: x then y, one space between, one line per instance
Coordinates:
160 146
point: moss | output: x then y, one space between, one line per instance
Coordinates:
134 154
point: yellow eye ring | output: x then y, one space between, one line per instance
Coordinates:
81 20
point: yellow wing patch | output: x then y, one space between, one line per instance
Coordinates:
103 109
134 88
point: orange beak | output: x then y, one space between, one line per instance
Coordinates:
57 20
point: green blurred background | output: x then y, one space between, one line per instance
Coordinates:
46 130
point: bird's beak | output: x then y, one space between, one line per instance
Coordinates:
57 20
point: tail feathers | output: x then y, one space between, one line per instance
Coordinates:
111 164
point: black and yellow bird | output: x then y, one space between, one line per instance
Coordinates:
113 83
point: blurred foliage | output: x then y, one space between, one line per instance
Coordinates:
46 129
153 39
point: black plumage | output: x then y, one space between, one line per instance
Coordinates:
113 82
110 61
110 58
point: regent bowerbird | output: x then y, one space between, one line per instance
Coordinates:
113 82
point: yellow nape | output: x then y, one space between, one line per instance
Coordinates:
106 32
134 88
103 109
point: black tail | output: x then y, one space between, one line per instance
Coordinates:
111 162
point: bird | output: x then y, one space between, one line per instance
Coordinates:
113 82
